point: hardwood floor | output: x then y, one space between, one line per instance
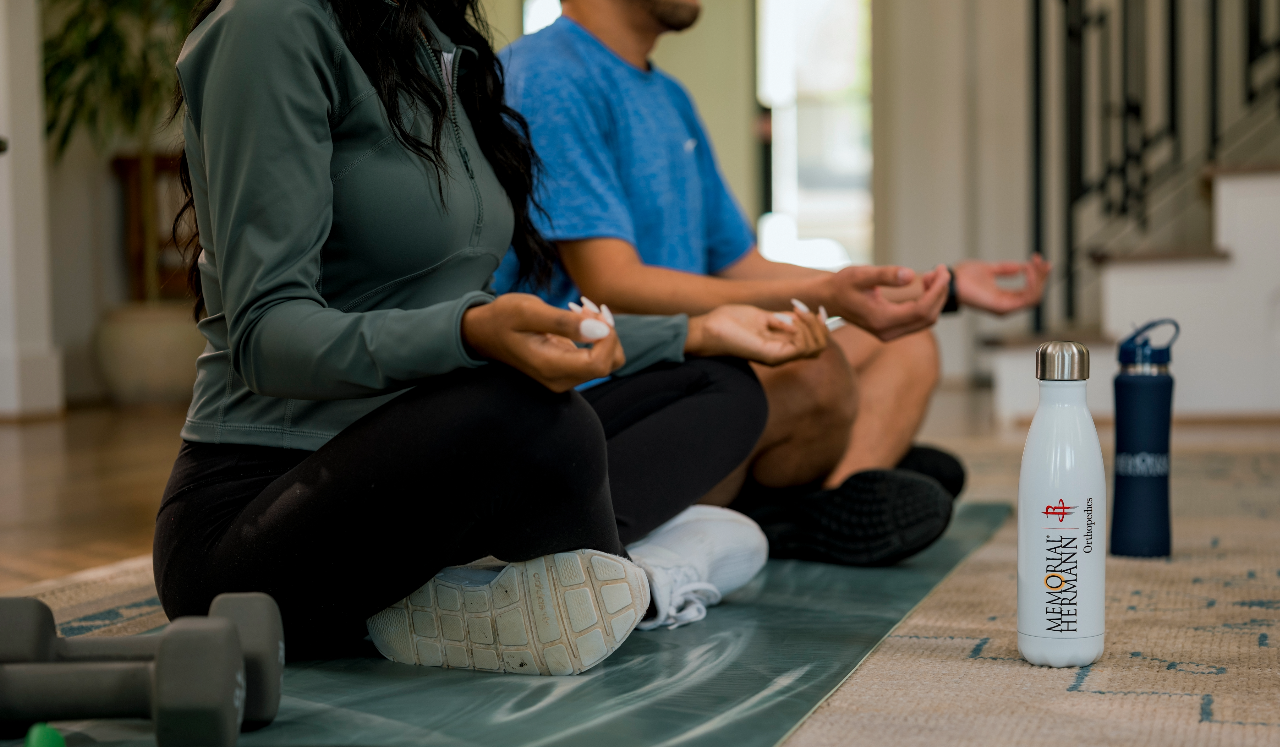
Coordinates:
83 491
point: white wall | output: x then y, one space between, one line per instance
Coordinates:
1226 360
715 60
30 364
950 122
86 247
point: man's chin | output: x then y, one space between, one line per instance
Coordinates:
675 15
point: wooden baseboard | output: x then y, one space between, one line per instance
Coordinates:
1272 418
34 417
1262 419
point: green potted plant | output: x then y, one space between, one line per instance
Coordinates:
109 71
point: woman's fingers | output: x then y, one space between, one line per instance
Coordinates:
803 333
818 336
543 342
585 324
560 367
593 330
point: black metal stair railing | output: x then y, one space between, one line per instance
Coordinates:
1120 128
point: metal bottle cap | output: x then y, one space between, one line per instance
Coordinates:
1062 361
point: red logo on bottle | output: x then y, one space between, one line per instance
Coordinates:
1061 510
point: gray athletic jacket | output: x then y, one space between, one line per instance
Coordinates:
334 277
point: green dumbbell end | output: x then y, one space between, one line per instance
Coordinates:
43 735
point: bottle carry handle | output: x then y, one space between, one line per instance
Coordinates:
1141 331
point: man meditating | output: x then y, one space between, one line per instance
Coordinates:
644 222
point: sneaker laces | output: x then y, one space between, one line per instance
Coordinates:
688 603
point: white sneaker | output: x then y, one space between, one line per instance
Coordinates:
697 558
557 614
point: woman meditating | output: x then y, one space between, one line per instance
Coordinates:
368 420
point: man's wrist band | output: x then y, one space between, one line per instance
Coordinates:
953 301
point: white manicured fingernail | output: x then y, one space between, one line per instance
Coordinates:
799 305
575 308
593 329
608 315
835 323
785 318
586 302
822 314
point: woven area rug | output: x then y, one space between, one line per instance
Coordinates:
1193 643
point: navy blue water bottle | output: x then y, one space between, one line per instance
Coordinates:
1144 406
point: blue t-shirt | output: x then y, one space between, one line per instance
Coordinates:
624 156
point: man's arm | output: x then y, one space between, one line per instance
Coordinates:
975 281
754 266
610 271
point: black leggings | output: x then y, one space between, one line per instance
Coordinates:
473 463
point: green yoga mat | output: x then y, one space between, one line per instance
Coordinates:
745 676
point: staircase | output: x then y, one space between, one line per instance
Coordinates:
1136 102
1156 192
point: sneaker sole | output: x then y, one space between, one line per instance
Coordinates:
880 525
555 615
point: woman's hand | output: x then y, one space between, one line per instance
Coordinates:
525 333
762 336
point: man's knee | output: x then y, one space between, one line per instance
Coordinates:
920 357
820 392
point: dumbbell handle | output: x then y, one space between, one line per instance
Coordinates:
106 648
59 691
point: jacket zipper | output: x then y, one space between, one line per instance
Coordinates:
452 95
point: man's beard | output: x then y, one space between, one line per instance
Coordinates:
673 15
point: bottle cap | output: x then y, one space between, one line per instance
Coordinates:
1062 361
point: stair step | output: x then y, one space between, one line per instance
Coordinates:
1184 254
1085 335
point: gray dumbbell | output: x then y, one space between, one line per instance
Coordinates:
193 690
31 636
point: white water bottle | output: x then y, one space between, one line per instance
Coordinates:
1062 515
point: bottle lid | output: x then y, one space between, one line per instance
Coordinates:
1136 348
1062 361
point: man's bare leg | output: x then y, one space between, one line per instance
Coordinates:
894 383
812 405
876 518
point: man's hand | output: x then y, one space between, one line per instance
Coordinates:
867 296
767 337
525 333
976 284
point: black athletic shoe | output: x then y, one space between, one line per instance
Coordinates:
938 464
874 518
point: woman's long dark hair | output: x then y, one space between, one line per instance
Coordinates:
384 37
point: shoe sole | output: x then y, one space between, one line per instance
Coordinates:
880 525
555 615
